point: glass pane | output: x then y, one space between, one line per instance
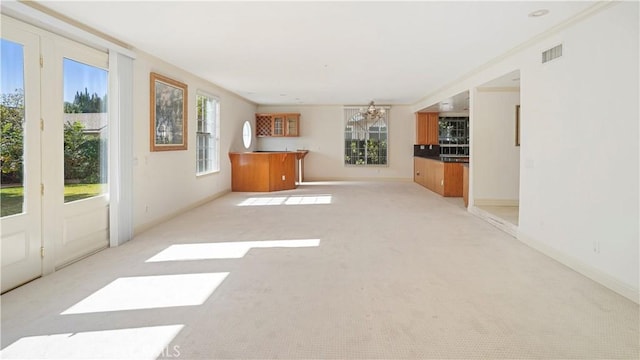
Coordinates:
292 128
278 126
206 141
86 130
12 125
200 112
199 151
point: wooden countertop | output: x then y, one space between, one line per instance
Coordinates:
300 154
453 159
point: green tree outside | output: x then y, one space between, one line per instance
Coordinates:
84 103
82 151
12 125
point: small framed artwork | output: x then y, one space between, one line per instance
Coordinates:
168 126
517 125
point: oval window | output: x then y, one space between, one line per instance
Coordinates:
246 134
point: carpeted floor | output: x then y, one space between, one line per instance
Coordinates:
331 270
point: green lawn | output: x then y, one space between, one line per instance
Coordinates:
81 191
11 198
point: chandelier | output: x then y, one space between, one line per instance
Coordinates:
371 113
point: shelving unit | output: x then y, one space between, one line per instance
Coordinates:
277 125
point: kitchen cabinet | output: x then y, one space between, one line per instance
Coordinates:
441 177
427 128
452 180
278 124
437 171
465 184
419 170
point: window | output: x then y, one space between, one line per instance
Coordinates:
454 136
365 141
246 134
207 138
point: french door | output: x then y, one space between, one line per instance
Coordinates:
76 218
20 223
60 178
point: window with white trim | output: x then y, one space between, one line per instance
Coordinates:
365 140
207 134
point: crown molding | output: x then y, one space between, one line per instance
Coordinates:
46 19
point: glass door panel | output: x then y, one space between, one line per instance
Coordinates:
85 130
12 125
292 126
80 200
278 126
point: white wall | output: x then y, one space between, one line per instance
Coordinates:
496 158
580 165
322 133
579 154
165 183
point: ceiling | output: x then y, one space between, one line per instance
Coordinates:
348 53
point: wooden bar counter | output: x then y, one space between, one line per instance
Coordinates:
263 171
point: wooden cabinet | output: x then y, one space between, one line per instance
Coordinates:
263 171
452 181
292 125
465 185
427 128
437 169
287 124
282 171
421 129
419 170
437 176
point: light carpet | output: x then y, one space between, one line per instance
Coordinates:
338 270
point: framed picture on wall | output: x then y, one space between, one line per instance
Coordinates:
168 125
517 125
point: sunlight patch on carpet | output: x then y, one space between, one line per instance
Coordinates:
130 343
225 250
150 292
287 200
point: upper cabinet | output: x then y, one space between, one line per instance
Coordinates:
277 125
427 128
292 124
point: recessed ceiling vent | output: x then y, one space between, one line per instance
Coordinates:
553 53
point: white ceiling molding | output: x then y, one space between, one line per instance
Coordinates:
35 17
499 89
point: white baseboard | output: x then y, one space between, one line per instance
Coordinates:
144 227
589 271
326 179
592 273
496 202
494 220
